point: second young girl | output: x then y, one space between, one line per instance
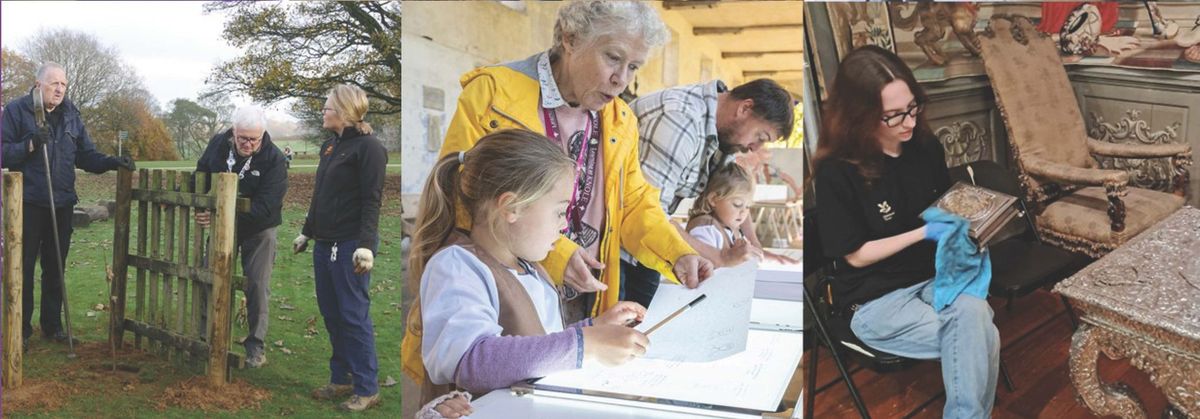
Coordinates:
717 215
488 315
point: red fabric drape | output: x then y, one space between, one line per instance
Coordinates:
1055 14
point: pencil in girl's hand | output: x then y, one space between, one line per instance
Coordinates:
675 314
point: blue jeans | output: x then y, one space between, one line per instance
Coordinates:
962 336
345 303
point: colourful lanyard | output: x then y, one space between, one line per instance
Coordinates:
231 161
551 121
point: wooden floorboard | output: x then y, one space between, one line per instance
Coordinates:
1036 339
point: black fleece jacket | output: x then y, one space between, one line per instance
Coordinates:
348 190
265 182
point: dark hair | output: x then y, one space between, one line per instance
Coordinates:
771 103
854 108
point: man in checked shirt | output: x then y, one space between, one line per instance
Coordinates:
686 133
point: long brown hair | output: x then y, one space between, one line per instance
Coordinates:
518 161
852 114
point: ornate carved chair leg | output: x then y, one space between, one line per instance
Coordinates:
1116 207
1179 164
1102 399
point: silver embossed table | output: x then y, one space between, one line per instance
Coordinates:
1141 302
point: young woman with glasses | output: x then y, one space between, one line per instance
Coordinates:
878 166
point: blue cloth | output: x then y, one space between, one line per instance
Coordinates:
961 268
345 303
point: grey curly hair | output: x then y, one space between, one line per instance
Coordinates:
590 19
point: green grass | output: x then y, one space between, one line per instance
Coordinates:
299 165
289 378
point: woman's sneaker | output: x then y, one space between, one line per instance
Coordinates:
360 403
332 391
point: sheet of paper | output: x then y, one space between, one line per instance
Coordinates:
753 379
713 329
780 273
786 291
777 314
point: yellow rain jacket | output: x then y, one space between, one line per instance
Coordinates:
500 97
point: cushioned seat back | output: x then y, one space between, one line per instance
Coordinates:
1033 93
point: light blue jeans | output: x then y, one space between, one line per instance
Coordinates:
962 335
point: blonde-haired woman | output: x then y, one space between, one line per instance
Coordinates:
343 218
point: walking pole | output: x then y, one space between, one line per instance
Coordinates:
40 117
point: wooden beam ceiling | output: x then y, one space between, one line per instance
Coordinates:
756 54
690 4
734 30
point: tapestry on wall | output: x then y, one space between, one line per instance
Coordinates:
853 25
938 40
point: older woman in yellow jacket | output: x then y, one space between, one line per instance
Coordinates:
569 93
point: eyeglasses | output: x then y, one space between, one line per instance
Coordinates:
327 110
245 139
895 120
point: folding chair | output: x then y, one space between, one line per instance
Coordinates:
834 331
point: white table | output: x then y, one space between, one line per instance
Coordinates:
503 404
765 314
780 282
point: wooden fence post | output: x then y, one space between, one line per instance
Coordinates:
221 263
120 262
13 279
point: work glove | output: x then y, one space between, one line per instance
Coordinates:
40 138
364 260
299 244
126 162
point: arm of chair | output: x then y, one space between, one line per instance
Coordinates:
1113 181
1137 151
1180 154
1071 175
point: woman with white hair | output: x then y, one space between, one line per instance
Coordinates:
569 93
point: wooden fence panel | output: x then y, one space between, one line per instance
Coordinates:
178 270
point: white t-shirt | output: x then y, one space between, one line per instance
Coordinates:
712 235
460 304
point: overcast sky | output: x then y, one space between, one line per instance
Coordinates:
173 45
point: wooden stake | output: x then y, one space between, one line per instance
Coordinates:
120 262
220 303
13 279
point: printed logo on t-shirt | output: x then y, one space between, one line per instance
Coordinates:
885 210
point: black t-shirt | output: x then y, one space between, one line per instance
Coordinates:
851 214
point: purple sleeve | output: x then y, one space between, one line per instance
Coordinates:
495 362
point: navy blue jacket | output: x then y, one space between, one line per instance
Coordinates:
70 147
264 182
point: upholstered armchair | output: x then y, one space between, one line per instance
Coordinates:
1078 205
